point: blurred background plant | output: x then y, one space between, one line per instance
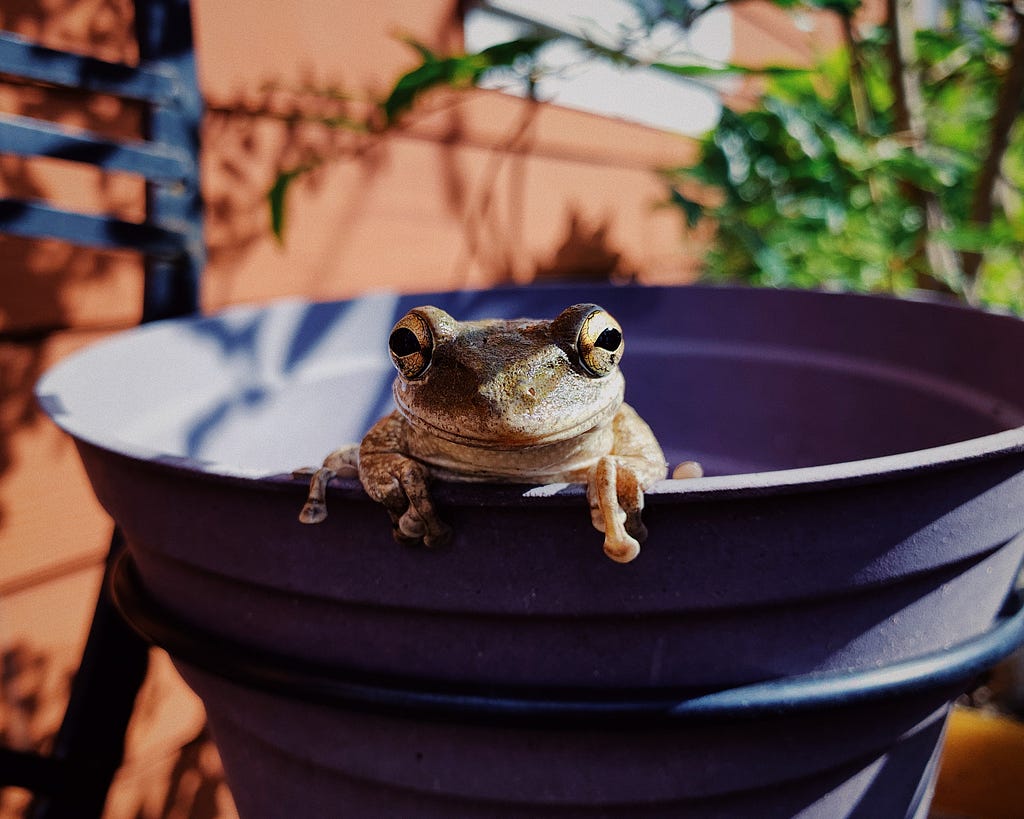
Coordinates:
894 164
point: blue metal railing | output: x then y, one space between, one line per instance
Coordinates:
170 236
73 779
23 58
25 136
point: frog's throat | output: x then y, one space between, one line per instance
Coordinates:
510 441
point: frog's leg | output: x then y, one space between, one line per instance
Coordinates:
617 482
615 491
343 461
400 483
403 492
616 500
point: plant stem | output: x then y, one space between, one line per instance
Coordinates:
858 92
941 270
1007 108
897 49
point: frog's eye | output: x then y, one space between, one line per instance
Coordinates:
600 343
411 345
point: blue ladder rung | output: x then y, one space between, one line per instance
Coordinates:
26 59
31 137
37 221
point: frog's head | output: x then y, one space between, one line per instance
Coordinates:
506 384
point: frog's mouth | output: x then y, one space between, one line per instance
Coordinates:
535 430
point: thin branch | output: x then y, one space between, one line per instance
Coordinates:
1007 107
943 268
858 92
858 87
895 49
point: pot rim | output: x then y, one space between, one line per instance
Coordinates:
1006 443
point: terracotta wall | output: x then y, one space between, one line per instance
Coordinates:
473 190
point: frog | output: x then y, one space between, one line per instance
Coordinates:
524 401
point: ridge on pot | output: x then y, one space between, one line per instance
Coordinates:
861 744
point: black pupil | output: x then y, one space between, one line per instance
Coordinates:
403 342
610 339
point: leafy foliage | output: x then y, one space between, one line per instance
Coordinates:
276 198
831 180
810 196
458 71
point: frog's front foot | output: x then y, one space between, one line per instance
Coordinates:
400 484
314 510
616 499
687 470
343 461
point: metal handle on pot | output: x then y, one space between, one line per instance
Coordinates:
949 671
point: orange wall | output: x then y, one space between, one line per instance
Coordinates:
472 190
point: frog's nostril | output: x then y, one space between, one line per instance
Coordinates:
523 394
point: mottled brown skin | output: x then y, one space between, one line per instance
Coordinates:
520 401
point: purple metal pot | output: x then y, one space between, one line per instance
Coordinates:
865 506
300 737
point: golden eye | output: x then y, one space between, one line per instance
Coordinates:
600 343
411 345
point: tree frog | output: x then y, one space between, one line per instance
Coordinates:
510 401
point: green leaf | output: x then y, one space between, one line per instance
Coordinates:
276 196
508 53
693 210
728 69
411 85
457 71
846 8
979 238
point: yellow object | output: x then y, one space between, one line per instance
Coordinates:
981 775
